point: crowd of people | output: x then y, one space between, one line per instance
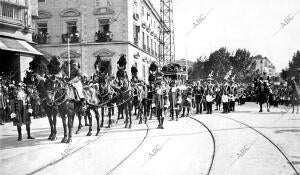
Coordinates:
164 97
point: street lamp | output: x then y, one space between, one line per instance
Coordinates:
69 35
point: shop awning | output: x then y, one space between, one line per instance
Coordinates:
16 45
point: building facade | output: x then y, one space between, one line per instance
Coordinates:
16 28
105 28
263 64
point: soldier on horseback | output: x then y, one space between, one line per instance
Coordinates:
75 79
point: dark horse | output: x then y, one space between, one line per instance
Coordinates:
42 86
124 98
294 92
67 107
262 94
107 98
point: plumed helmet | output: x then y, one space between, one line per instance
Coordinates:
122 62
134 71
54 65
153 67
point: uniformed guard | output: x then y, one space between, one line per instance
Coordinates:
160 99
21 110
199 97
173 96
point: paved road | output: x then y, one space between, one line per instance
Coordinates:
243 142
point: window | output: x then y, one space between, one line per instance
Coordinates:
104 25
143 38
143 10
151 45
42 28
42 1
71 27
147 41
136 32
144 73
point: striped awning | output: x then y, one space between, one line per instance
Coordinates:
16 45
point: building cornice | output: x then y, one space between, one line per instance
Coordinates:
96 43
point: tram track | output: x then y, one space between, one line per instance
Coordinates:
214 144
87 144
64 157
264 136
130 154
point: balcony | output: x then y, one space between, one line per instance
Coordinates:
41 38
103 36
74 37
12 14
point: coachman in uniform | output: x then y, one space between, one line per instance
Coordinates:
173 96
160 99
21 110
199 97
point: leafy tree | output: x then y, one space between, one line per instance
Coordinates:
221 62
293 69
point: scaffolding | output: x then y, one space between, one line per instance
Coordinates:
166 35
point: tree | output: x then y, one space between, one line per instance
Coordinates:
243 65
220 62
293 68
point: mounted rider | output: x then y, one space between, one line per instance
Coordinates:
75 78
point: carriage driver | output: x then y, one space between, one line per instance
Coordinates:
75 78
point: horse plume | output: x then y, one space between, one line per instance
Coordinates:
153 67
54 66
122 61
37 66
134 71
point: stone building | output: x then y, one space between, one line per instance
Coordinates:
263 64
16 28
105 28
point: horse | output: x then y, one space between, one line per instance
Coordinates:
41 86
92 101
140 92
124 97
294 93
263 94
107 98
60 96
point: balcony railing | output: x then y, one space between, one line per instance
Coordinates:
74 37
103 36
11 14
41 38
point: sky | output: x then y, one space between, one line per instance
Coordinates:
256 25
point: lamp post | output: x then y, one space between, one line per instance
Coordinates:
69 35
